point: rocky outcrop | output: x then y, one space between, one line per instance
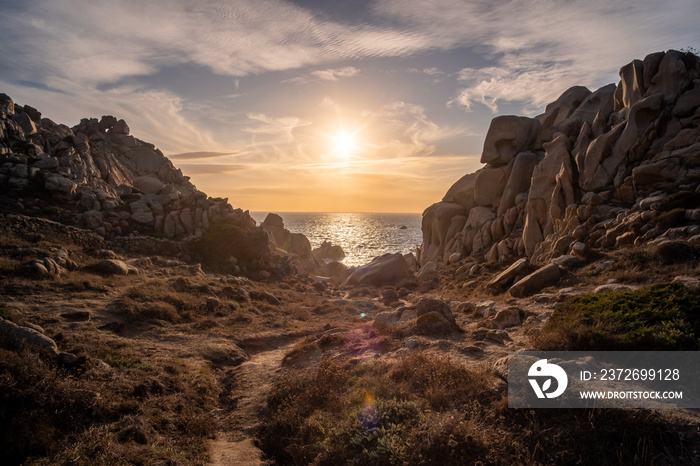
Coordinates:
292 243
582 176
383 270
97 176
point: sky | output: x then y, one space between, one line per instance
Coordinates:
312 105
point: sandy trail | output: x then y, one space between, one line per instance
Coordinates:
254 380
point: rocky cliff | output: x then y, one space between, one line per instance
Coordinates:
99 177
613 167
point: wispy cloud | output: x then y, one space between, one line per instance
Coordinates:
325 75
211 168
334 75
537 54
200 155
418 134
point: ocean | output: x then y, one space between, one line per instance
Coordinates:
362 236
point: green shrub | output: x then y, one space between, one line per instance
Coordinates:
659 317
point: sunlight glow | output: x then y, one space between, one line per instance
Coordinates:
345 145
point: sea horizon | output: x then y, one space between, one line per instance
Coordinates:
362 235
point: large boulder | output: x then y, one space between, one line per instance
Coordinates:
501 281
546 276
435 317
383 270
507 136
436 223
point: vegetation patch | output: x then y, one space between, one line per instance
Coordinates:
51 416
156 300
659 317
423 409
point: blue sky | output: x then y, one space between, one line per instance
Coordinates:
252 98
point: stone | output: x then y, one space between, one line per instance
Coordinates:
59 184
671 78
462 192
691 283
507 136
383 270
546 276
428 269
17 334
435 225
563 107
568 262
148 184
111 267
328 252
25 122
435 317
631 87
489 186
608 287
120 127
385 320
687 103
519 180
298 244
17 183
505 318
501 282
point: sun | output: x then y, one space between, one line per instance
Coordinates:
345 145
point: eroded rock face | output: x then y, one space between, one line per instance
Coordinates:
103 178
575 175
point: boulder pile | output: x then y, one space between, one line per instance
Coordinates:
615 167
97 176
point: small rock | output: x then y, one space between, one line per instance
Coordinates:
429 268
505 318
212 302
111 267
611 287
17 334
385 320
389 296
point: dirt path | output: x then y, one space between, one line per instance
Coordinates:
254 379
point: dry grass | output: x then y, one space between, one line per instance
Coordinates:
428 410
131 412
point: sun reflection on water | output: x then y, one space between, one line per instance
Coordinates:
362 236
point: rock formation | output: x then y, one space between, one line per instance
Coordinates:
617 166
99 177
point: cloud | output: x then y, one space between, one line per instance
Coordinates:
200 155
154 116
210 169
325 75
334 75
539 48
418 134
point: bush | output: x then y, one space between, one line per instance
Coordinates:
423 409
156 300
226 239
673 252
659 317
